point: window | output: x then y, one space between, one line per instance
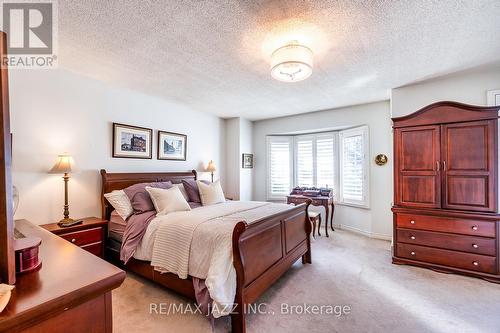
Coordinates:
337 160
304 165
279 160
315 160
325 160
354 166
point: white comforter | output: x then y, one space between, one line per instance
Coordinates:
199 243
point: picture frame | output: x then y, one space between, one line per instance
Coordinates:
247 161
172 146
132 141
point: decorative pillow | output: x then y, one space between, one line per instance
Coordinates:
167 201
120 202
191 188
139 197
211 194
183 190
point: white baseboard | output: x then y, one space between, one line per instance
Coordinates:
365 233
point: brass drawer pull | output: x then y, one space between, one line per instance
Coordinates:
475 263
474 228
412 253
412 237
73 240
412 222
475 246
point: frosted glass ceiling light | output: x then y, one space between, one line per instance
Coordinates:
292 63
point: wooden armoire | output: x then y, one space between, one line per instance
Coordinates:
446 189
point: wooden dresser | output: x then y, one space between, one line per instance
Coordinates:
71 292
446 189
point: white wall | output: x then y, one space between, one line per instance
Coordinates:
376 221
232 144
238 141
467 87
55 111
246 147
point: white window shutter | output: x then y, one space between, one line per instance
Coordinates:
279 150
354 166
304 161
325 160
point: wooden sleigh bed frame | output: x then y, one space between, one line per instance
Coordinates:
262 251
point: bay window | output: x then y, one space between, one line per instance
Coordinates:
337 160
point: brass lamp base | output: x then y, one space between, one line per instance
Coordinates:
68 222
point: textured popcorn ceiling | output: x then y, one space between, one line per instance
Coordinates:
213 56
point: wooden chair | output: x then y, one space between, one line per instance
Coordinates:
315 218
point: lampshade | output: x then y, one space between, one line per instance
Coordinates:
211 166
63 164
292 62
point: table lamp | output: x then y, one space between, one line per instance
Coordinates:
211 169
63 165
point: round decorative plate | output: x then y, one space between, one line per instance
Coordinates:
381 159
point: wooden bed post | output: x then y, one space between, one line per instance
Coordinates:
238 322
306 258
103 200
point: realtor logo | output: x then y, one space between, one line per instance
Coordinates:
31 34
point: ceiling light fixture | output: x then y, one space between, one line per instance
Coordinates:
292 62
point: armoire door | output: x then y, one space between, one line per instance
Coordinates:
469 165
418 183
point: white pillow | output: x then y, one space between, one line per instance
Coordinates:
211 194
120 202
183 190
167 201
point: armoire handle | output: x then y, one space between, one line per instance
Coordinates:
437 164
444 165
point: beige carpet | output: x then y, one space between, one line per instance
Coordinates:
347 269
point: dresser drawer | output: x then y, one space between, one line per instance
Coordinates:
444 224
295 200
95 248
84 237
469 261
316 202
479 245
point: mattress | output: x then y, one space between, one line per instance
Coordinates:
198 243
116 226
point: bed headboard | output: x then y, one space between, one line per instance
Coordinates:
119 181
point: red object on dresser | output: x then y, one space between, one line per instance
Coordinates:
446 189
26 252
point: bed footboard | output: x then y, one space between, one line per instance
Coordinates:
265 250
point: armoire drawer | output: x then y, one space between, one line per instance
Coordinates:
469 261
479 245
446 224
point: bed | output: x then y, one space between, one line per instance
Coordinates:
262 251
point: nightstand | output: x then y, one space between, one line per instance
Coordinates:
88 235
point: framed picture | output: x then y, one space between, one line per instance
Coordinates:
132 141
172 146
247 161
